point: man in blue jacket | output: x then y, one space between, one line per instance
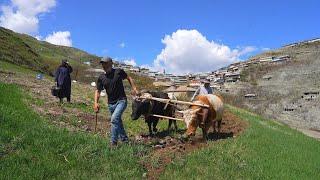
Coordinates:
63 80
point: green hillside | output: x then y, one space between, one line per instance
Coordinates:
26 51
32 148
37 55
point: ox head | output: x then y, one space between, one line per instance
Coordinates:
140 105
191 119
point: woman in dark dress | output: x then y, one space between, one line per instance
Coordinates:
63 80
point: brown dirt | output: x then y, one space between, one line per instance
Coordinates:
166 149
52 109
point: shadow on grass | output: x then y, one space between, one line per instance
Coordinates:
165 133
217 136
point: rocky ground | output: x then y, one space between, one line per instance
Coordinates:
284 96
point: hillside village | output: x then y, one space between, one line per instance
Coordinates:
217 78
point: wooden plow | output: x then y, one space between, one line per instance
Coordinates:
172 102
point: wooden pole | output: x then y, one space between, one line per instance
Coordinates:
175 101
95 127
166 117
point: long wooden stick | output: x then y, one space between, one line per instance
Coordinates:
166 117
95 127
176 101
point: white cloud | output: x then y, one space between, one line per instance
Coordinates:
130 62
265 49
122 45
23 15
39 38
188 51
59 38
246 50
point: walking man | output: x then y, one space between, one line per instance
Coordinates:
63 79
112 82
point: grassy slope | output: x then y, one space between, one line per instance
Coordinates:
78 90
31 148
38 55
267 150
14 49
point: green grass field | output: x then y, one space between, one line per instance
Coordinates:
267 150
32 148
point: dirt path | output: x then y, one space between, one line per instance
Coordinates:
314 133
166 149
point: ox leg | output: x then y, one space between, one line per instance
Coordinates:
169 125
204 133
149 126
175 125
150 129
155 123
214 126
219 126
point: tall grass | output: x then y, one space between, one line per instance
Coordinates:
30 148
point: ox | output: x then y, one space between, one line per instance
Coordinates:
145 107
204 117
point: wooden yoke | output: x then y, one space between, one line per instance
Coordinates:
166 117
175 101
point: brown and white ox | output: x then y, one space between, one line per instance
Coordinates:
204 117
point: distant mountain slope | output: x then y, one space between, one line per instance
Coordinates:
27 51
287 91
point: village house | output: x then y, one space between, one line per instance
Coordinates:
232 77
302 42
181 91
310 95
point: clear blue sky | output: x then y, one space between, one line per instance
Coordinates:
99 26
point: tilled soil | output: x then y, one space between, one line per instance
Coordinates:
165 149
